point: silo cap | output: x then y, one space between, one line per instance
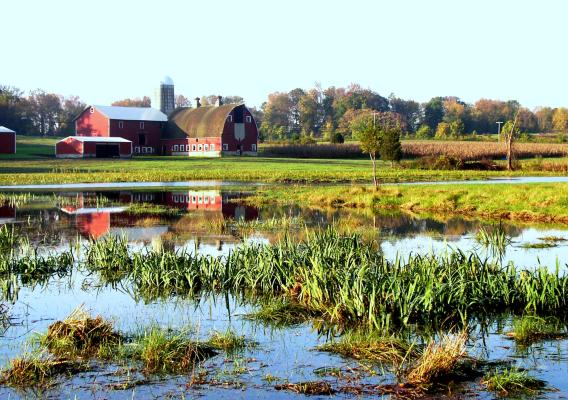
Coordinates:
167 81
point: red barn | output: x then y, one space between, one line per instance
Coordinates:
7 141
143 126
93 147
211 131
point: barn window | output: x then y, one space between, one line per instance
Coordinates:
200 200
137 149
200 147
192 147
225 146
141 125
206 147
212 147
230 118
144 149
212 200
120 124
187 148
92 110
175 147
253 147
193 199
248 119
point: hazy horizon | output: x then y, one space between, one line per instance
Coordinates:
107 51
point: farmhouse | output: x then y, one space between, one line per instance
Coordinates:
93 147
211 131
7 141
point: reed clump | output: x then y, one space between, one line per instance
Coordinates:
81 335
439 359
513 381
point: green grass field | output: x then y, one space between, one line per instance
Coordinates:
35 164
534 202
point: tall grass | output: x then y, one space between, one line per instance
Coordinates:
344 279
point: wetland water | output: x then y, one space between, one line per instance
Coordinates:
188 219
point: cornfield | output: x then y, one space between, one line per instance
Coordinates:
463 150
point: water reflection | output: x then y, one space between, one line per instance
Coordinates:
197 218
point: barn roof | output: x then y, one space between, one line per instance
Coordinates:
199 122
132 113
98 139
3 129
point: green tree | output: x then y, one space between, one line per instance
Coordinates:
433 112
456 128
511 132
391 149
372 130
424 132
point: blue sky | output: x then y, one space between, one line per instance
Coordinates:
108 50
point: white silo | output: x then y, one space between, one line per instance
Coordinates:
164 96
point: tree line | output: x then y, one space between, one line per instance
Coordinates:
40 113
330 113
306 114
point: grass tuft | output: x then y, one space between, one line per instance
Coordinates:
370 347
531 328
80 335
166 351
513 382
38 370
228 341
439 359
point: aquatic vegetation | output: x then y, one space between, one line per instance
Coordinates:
539 245
80 335
552 239
495 239
343 279
9 240
281 312
167 351
371 346
531 328
439 359
153 209
513 382
311 388
38 370
228 341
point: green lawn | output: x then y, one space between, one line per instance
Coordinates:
32 147
35 164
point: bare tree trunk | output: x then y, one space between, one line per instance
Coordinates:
374 161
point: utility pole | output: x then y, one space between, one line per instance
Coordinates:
499 130
375 118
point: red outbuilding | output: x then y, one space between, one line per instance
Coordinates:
7 141
93 147
143 126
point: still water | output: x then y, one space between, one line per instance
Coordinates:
189 219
